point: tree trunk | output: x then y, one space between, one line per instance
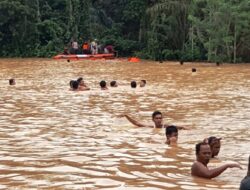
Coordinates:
38 14
235 43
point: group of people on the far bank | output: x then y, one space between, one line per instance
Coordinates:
205 150
79 84
88 47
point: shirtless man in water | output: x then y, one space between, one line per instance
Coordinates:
245 183
157 119
203 155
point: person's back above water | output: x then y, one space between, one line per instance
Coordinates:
143 83
245 183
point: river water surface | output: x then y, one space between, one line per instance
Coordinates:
53 138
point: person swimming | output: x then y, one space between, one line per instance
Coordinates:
143 83
203 156
12 81
157 119
113 83
245 183
133 84
75 85
215 145
171 134
103 85
82 86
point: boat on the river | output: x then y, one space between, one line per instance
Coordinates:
85 56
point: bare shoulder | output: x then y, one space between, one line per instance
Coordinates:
166 125
196 167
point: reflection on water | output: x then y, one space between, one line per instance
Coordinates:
53 138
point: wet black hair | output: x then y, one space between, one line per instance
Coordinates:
112 83
156 113
79 79
171 129
212 138
11 81
71 83
103 83
75 85
198 147
248 171
133 84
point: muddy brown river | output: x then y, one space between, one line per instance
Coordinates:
53 138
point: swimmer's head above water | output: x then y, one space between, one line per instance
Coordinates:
171 134
103 85
215 145
203 152
143 83
157 119
12 81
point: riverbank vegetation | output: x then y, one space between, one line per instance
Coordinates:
208 30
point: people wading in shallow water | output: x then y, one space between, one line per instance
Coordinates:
156 118
203 155
245 183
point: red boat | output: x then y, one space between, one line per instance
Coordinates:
85 56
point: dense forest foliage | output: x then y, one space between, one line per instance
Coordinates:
211 30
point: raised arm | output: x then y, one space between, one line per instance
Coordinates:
182 128
200 170
136 123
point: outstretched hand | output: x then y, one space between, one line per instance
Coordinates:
235 165
122 115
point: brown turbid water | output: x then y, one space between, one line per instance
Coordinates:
53 138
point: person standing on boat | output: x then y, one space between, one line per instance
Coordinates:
93 47
109 49
86 48
74 46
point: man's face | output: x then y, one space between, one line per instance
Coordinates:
142 84
172 139
158 120
205 154
215 148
